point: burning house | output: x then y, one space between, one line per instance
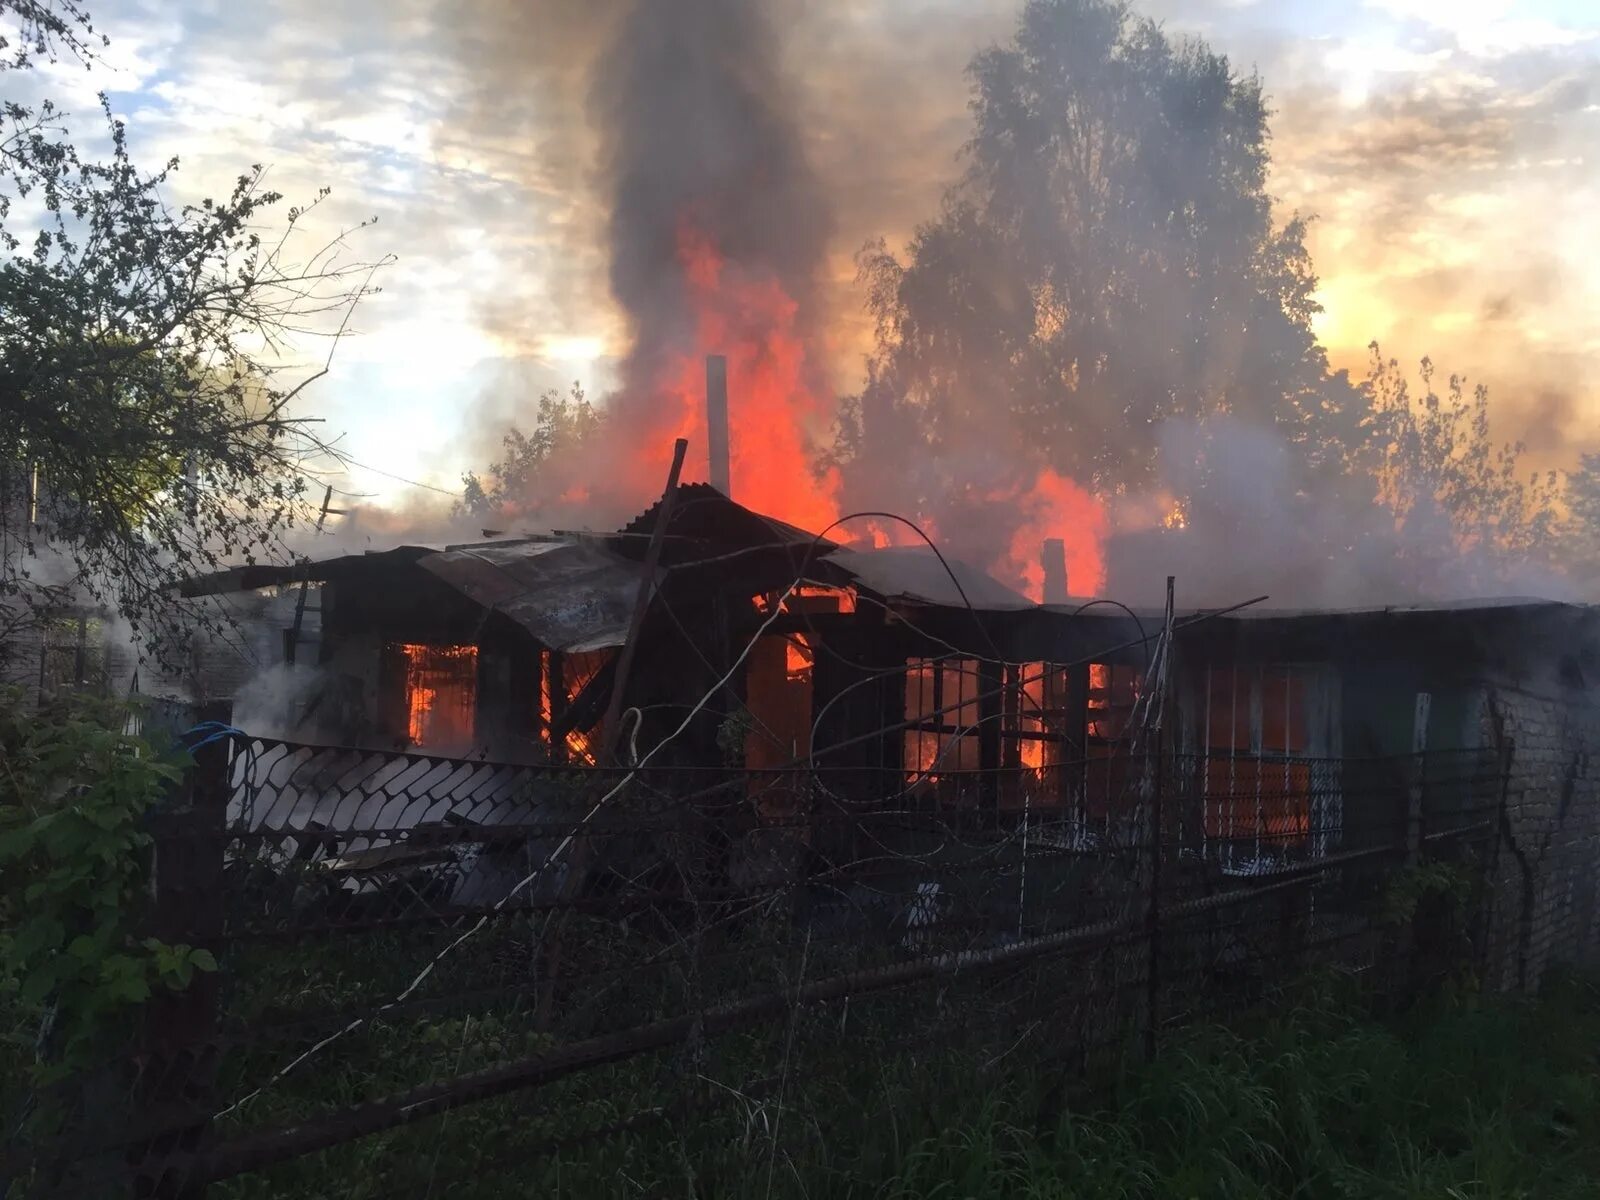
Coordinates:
786 668
894 668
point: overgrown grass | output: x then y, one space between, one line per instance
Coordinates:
1478 1098
1482 1099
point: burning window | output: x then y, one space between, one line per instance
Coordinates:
942 712
1113 692
1257 738
567 701
1110 700
441 689
1035 734
778 696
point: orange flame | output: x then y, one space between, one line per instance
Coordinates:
798 658
576 671
1056 507
773 413
578 747
441 692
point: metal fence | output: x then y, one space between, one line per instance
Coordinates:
434 970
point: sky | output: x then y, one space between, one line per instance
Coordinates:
1449 151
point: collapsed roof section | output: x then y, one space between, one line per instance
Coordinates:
916 575
575 591
571 595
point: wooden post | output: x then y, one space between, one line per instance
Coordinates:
991 693
1419 765
1075 750
579 854
291 640
178 1051
1153 911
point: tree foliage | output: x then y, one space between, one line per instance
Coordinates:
564 423
147 428
1582 540
1109 261
1461 502
1107 292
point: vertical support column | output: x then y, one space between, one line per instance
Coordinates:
179 1052
556 680
991 687
1157 834
1010 719
1419 766
1075 775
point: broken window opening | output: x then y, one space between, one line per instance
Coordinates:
942 714
562 680
779 702
1035 735
73 656
1259 797
1109 781
441 689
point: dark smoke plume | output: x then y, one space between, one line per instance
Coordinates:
685 126
694 119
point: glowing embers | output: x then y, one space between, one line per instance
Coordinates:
441 688
564 684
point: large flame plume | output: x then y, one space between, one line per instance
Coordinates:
774 411
718 234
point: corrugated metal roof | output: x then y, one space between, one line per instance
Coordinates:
914 573
1264 611
260 575
572 596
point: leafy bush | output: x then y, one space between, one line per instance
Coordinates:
74 876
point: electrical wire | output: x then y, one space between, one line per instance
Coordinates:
527 880
399 478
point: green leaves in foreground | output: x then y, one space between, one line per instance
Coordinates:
74 873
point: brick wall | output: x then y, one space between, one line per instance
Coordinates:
1543 908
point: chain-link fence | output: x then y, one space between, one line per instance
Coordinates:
435 971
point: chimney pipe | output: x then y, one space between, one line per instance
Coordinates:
1054 560
717 422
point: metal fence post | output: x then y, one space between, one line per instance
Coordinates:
178 1051
1157 825
1419 767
